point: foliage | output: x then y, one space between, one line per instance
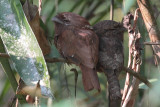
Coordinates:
22 47
61 79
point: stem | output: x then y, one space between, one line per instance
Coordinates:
138 76
112 10
151 43
150 23
40 6
53 60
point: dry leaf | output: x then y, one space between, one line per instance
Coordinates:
31 12
24 89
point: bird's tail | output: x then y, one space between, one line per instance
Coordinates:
114 89
89 78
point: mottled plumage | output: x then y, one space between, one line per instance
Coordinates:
111 57
78 44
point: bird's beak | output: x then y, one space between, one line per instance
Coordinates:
55 19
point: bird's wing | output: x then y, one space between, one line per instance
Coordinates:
66 42
79 46
89 49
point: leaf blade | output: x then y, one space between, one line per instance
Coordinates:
22 46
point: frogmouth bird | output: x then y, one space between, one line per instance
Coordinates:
111 57
78 44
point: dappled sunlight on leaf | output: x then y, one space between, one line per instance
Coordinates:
22 46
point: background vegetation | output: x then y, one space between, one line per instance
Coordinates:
62 79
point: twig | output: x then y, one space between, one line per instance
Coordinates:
49 60
127 23
132 92
135 50
13 102
56 6
4 55
135 18
36 101
150 23
76 78
40 6
16 102
52 60
112 10
126 86
137 75
66 81
151 43
155 58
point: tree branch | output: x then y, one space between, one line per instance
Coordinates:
53 60
151 43
150 22
112 10
4 55
49 60
138 76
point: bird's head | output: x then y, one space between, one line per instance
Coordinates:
68 18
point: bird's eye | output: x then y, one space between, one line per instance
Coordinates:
66 20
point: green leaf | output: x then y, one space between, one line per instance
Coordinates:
22 46
10 74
